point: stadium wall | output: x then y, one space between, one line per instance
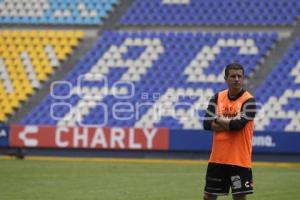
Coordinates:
156 139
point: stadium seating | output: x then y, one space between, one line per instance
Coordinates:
85 12
142 70
27 58
216 12
280 94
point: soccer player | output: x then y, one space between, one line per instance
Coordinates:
230 115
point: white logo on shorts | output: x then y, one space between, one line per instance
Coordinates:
247 184
236 182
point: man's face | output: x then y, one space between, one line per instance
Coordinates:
235 79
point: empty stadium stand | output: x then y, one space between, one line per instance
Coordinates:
187 64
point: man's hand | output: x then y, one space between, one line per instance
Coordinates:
220 124
217 127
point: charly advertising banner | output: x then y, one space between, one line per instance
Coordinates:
89 138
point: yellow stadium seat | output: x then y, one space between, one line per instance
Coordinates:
61 55
3 117
33 33
64 42
22 96
14 102
5 54
28 89
8 40
42 34
36 41
35 62
51 34
55 41
42 77
48 70
2 89
61 34
79 34
45 40
68 50
8 109
27 41
23 34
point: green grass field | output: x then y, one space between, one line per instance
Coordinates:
104 179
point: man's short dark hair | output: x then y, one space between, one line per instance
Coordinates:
234 66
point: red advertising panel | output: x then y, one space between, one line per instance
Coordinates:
91 138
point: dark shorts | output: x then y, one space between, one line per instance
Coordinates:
220 178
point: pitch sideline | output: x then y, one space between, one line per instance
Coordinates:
146 161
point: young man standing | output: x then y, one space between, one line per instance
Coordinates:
230 115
